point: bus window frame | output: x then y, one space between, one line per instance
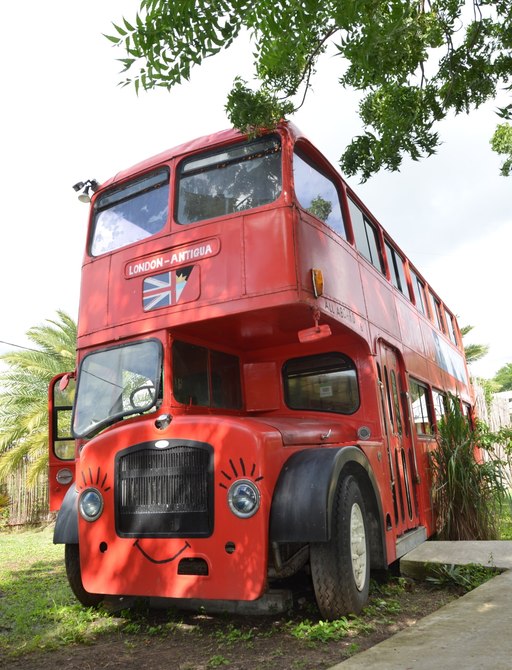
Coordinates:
367 226
112 417
437 313
300 150
204 155
110 192
429 408
439 404
451 326
352 367
210 353
419 290
393 258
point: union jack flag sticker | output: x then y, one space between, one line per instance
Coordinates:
164 290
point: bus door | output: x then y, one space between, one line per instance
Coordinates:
401 448
60 440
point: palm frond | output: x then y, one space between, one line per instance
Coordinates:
24 396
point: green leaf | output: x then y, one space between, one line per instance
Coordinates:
414 63
115 40
120 30
128 26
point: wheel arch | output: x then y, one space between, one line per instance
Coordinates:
304 496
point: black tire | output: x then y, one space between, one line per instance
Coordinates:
340 582
74 574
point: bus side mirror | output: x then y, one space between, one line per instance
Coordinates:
314 334
64 382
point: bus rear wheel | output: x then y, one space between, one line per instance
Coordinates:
74 574
340 568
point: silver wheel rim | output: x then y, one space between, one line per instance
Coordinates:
358 546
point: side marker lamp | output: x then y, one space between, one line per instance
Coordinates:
64 476
317 278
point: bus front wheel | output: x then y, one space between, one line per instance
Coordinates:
74 574
340 568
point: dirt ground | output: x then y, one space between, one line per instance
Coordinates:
297 640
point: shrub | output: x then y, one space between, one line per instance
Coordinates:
468 482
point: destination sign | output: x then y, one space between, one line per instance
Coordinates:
172 258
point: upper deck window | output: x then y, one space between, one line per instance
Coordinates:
438 314
450 322
396 269
130 213
419 293
317 194
233 180
366 236
322 382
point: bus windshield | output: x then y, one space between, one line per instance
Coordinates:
115 383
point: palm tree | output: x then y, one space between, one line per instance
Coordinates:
473 352
24 395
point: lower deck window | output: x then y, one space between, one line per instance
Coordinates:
440 401
323 382
422 415
205 378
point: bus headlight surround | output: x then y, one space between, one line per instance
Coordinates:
90 504
244 498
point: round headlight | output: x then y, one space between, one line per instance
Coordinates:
244 498
90 504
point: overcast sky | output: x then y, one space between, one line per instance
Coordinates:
64 119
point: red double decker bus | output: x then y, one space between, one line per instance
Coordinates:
260 371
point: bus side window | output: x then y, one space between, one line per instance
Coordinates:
438 315
466 408
396 269
439 402
321 382
420 298
450 322
317 193
422 415
366 236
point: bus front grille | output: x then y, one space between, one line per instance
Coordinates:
165 490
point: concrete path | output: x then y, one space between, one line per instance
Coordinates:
471 633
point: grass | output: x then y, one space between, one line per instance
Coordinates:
506 519
380 609
464 577
37 609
